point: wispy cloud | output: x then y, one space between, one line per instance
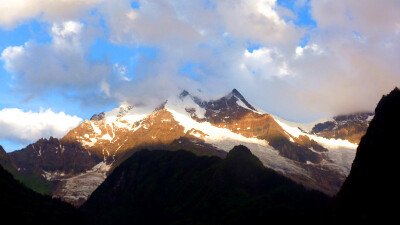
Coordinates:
16 12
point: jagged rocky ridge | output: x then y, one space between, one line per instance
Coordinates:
191 122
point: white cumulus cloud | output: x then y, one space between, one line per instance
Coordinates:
25 127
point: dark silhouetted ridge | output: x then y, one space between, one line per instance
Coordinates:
20 205
163 187
240 152
370 192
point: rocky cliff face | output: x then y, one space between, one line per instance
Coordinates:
2 152
347 127
52 156
370 193
4 159
47 165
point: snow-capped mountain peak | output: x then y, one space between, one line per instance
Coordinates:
241 100
207 126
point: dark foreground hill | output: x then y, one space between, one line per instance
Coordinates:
20 205
370 194
163 187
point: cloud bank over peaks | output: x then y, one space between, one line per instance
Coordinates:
340 62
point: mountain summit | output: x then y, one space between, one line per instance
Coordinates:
241 98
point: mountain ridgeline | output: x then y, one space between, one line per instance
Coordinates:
318 156
164 187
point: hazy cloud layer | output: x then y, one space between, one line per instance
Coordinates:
350 60
27 127
15 12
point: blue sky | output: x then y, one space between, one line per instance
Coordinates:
288 57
